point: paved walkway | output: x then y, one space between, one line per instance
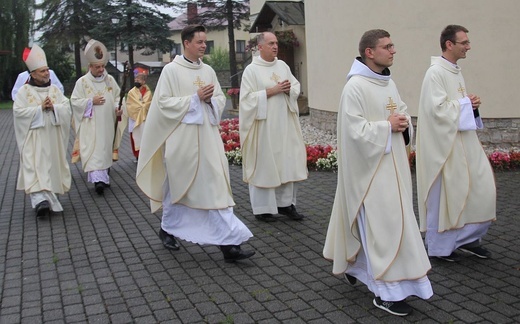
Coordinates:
101 261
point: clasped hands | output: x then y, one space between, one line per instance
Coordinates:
206 92
47 104
398 122
284 86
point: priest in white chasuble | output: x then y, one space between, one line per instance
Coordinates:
455 182
182 166
274 157
373 235
42 117
94 102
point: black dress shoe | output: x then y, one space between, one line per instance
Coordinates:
234 253
43 209
268 218
290 212
351 280
99 187
168 240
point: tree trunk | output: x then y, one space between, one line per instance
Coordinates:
232 53
77 58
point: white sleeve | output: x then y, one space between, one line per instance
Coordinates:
194 114
262 105
389 141
466 118
38 120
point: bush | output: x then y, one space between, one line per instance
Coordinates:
218 59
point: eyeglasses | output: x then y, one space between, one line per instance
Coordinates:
388 47
464 43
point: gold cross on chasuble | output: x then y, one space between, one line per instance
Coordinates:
275 77
391 105
199 83
461 90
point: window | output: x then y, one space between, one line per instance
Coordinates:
176 50
209 47
240 46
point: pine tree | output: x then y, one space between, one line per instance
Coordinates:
15 23
139 27
74 22
65 24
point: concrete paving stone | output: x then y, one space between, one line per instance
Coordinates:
94 309
51 305
323 306
140 311
467 315
99 318
309 314
230 307
122 318
166 316
53 316
181 305
144 320
10 301
125 281
285 315
92 299
482 298
31 319
274 306
71 297
207 308
261 317
158 305
497 318
190 316
9 310
55 298
30 311
73 309
130 292
338 317
297 305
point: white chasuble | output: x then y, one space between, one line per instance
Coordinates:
379 182
95 128
272 144
42 139
182 140
467 194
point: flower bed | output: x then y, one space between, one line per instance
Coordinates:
324 157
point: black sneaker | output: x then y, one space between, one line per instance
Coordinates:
399 308
453 257
477 251
351 280
290 212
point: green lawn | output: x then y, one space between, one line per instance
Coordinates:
6 104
